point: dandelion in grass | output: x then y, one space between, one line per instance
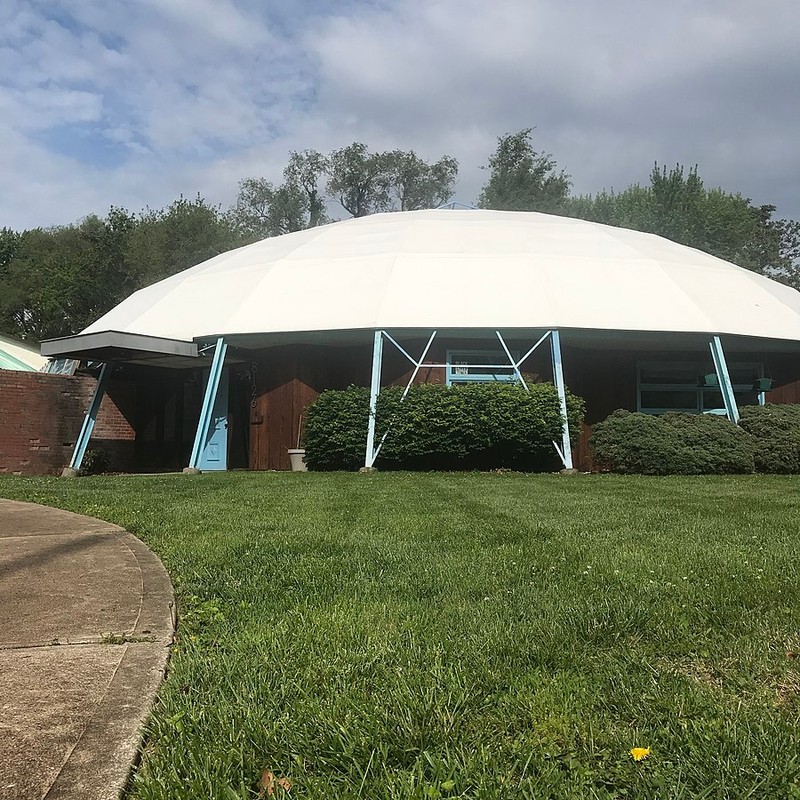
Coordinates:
640 753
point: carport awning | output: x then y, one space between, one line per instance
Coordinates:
117 346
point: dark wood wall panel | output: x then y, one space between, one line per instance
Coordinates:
605 380
289 378
788 393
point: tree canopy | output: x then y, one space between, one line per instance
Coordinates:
360 181
415 184
59 280
522 179
263 209
677 205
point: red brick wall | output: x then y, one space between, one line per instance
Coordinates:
41 415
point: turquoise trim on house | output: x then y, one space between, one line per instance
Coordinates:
724 378
89 419
480 366
374 391
204 424
214 455
7 361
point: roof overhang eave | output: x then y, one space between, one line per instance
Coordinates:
117 346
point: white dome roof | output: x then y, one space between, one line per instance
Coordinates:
450 269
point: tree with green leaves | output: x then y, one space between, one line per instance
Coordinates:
362 182
359 180
522 179
414 184
9 244
263 209
304 172
788 271
169 240
56 281
61 279
677 205
397 180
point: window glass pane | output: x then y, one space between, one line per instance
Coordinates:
744 397
670 374
460 369
712 399
683 400
744 373
749 398
679 386
499 374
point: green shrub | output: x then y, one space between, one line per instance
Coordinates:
471 426
332 425
711 444
673 444
95 462
633 443
776 433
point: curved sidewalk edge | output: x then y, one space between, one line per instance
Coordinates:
86 621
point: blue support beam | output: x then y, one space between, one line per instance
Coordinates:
565 451
375 388
87 427
513 363
209 399
417 368
724 380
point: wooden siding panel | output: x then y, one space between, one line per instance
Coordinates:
788 393
581 453
289 378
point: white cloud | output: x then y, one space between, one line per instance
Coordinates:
612 87
135 103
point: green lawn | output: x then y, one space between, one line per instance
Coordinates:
469 635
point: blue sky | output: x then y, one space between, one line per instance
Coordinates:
134 103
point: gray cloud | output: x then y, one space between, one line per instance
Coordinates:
197 95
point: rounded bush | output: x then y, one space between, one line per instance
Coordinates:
711 444
672 444
633 443
776 436
470 426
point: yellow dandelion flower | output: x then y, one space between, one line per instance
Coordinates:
640 753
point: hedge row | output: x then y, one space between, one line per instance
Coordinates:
766 440
472 426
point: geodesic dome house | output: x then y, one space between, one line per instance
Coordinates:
243 341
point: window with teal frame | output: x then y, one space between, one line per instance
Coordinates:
663 386
61 366
479 366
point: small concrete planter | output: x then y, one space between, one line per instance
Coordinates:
297 455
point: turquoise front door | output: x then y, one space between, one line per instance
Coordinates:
215 450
